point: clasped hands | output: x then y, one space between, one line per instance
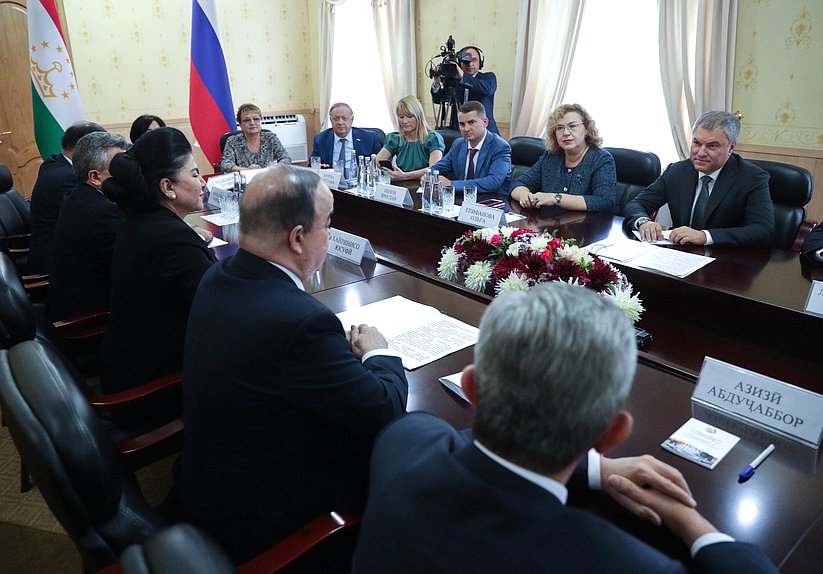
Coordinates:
653 231
364 339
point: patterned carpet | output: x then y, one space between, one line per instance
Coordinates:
30 510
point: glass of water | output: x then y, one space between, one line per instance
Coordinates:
470 194
448 199
315 163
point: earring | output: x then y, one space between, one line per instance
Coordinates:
173 196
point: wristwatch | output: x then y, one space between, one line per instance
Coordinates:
557 198
640 221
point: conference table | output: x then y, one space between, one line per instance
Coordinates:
745 308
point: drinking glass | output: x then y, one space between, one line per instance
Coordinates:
315 163
448 199
385 176
470 194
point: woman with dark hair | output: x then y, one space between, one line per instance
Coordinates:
575 173
143 124
158 261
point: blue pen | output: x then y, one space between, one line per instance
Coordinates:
748 472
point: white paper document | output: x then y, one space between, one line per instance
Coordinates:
700 443
418 333
664 241
455 384
217 242
221 219
642 255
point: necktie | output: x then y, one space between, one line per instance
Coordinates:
470 173
342 157
700 207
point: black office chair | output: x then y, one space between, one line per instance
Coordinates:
526 151
326 544
635 171
381 135
448 138
791 188
76 466
15 220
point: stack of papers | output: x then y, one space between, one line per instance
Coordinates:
648 256
419 334
700 443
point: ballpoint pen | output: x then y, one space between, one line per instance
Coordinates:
748 472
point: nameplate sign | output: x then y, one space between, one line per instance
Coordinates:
224 181
350 247
481 215
777 406
331 178
393 194
814 302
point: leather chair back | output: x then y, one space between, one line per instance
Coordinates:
526 151
17 317
381 135
635 171
66 449
181 549
448 138
791 188
6 179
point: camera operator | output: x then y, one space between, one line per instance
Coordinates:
471 85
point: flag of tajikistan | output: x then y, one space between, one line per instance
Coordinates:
54 93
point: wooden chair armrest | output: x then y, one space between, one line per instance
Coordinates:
34 278
86 326
802 232
300 542
151 438
135 395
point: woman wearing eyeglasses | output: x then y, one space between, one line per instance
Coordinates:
255 147
575 173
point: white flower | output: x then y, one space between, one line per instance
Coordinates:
488 232
575 253
478 275
513 282
506 231
514 248
630 304
447 268
539 243
571 281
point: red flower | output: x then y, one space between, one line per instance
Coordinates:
476 249
547 255
521 231
566 269
601 275
496 240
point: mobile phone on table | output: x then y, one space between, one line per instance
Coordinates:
496 203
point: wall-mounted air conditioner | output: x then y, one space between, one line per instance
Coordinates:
291 130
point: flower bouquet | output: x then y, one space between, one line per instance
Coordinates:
517 259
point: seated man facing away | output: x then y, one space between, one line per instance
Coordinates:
55 180
281 405
548 384
341 140
480 158
715 196
86 232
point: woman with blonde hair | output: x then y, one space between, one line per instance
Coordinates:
575 173
416 146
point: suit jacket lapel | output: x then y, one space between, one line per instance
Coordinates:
722 186
460 160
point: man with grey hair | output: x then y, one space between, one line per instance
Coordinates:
715 197
549 383
55 181
282 405
87 228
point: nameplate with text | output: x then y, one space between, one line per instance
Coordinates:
393 194
481 215
814 302
766 402
330 178
350 247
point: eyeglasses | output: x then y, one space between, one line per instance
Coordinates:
336 119
254 120
560 128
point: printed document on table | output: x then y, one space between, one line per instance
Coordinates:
664 241
642 255
700 443
418 333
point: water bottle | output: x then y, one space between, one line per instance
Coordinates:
427 177
374 175
362 175
436 194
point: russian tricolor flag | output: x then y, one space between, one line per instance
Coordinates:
211 111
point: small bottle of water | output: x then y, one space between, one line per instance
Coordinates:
374 175
427 177
362 175
436 193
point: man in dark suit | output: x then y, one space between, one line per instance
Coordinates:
328 143
472 85
549 383
813 246
715 197
480 158
55 180
86 232
281 405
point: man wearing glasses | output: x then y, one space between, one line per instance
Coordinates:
715 197
341 140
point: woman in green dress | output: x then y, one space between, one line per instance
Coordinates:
416 146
